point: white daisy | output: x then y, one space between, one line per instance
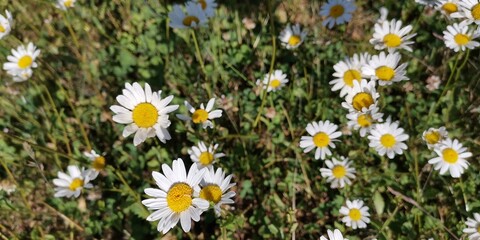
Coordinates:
348 71
385 69
364 121
335 235
469 10
273 82
433 137
451 157
473 227
292 37
208 6
458 37
426 2
392 36
356 215
203 156
145 112
383 15
338 173
202 115
323 134
362 96
23 75
214 187
6 23
21 61
388 138
195 16
176 199
98 163
447 7
337 12
71 184
65 4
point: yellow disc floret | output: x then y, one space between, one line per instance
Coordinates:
461 39
189 20
450 155
179 197
392 40
294 40
339 171
76 183
476 12
450 8
351 75
206 158
25 62
364 120
321 139
145 115
98 163
355 214
336 11
199 116
385 73
433 137
275 83
388 140
362 100
211 193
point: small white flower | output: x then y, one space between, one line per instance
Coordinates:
434 137
447 7
392 36
71 184
348 71
387 138
338 173
203 156
386 69
469 11
6 23
458 37
202 115
214 187
194 17
65 4
426 2
208 6
451 157
292 37
337 12
356 215
273 82
21 62
473 227
383 15
98 163
335 235
364 121
322 136
362 97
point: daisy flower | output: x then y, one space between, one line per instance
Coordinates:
338 173
426 2
65 4
6 23
145 112
385 69
364 121
175 200
433 136
335 235
21 61
348 71
458 37
473 227
383 15
23 75
273 82
203 156
98 163
447 7
356 215
292 37
71 184
451 157
337 12
392 36
208 6
323 134
387 138
214 187
470 10
362 97
194 17
202 115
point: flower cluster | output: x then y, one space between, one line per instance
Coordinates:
196 15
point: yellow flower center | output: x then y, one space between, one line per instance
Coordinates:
205 158
351 75
275 83
211 193
337 11
362 100
432 137
98 163
355 214
478 229
385 73
199 116
476 11
450 155
179 197
203 3
145 115
76 183
321 139
392 40
450 8
339 171
387 140
25 62
2 29
461 39
294 40
364 120
188 20
68 3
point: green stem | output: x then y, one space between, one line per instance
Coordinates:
387 222
462 187
202 65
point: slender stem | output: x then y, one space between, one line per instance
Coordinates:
202 65
462 187
70 29
22 193
390 218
